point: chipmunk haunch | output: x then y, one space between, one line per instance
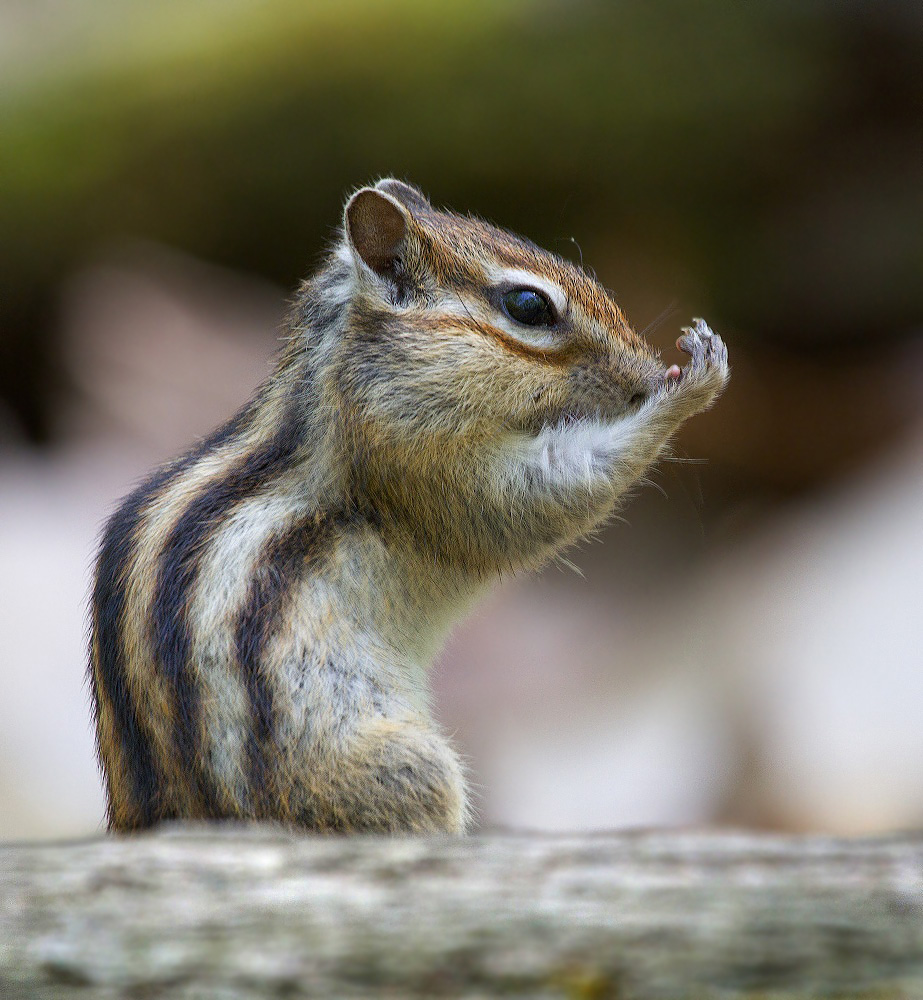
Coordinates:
452 402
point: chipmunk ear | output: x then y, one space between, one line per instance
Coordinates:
376 227
409 196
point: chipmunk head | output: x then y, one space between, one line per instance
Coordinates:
458 349
460 330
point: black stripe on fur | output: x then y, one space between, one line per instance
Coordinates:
178 572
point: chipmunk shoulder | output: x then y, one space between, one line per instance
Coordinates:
452 402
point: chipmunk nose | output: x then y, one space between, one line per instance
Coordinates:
643 388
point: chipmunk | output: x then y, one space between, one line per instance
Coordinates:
453 403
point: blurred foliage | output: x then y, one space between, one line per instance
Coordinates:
771 147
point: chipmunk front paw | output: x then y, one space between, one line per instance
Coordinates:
704 345
698 384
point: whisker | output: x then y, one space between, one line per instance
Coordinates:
565 563
671 310
464 306
646 481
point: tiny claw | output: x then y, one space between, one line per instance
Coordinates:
701 327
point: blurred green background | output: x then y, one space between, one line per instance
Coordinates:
759 159
757 163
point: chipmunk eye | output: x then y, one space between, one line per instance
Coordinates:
529 307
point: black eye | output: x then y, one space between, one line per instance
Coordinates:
529 307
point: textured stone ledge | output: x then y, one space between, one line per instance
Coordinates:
222 912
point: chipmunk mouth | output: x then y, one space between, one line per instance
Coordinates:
574 416
564 419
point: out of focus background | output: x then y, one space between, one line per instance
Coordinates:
743 648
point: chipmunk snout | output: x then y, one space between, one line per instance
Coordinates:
639 397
